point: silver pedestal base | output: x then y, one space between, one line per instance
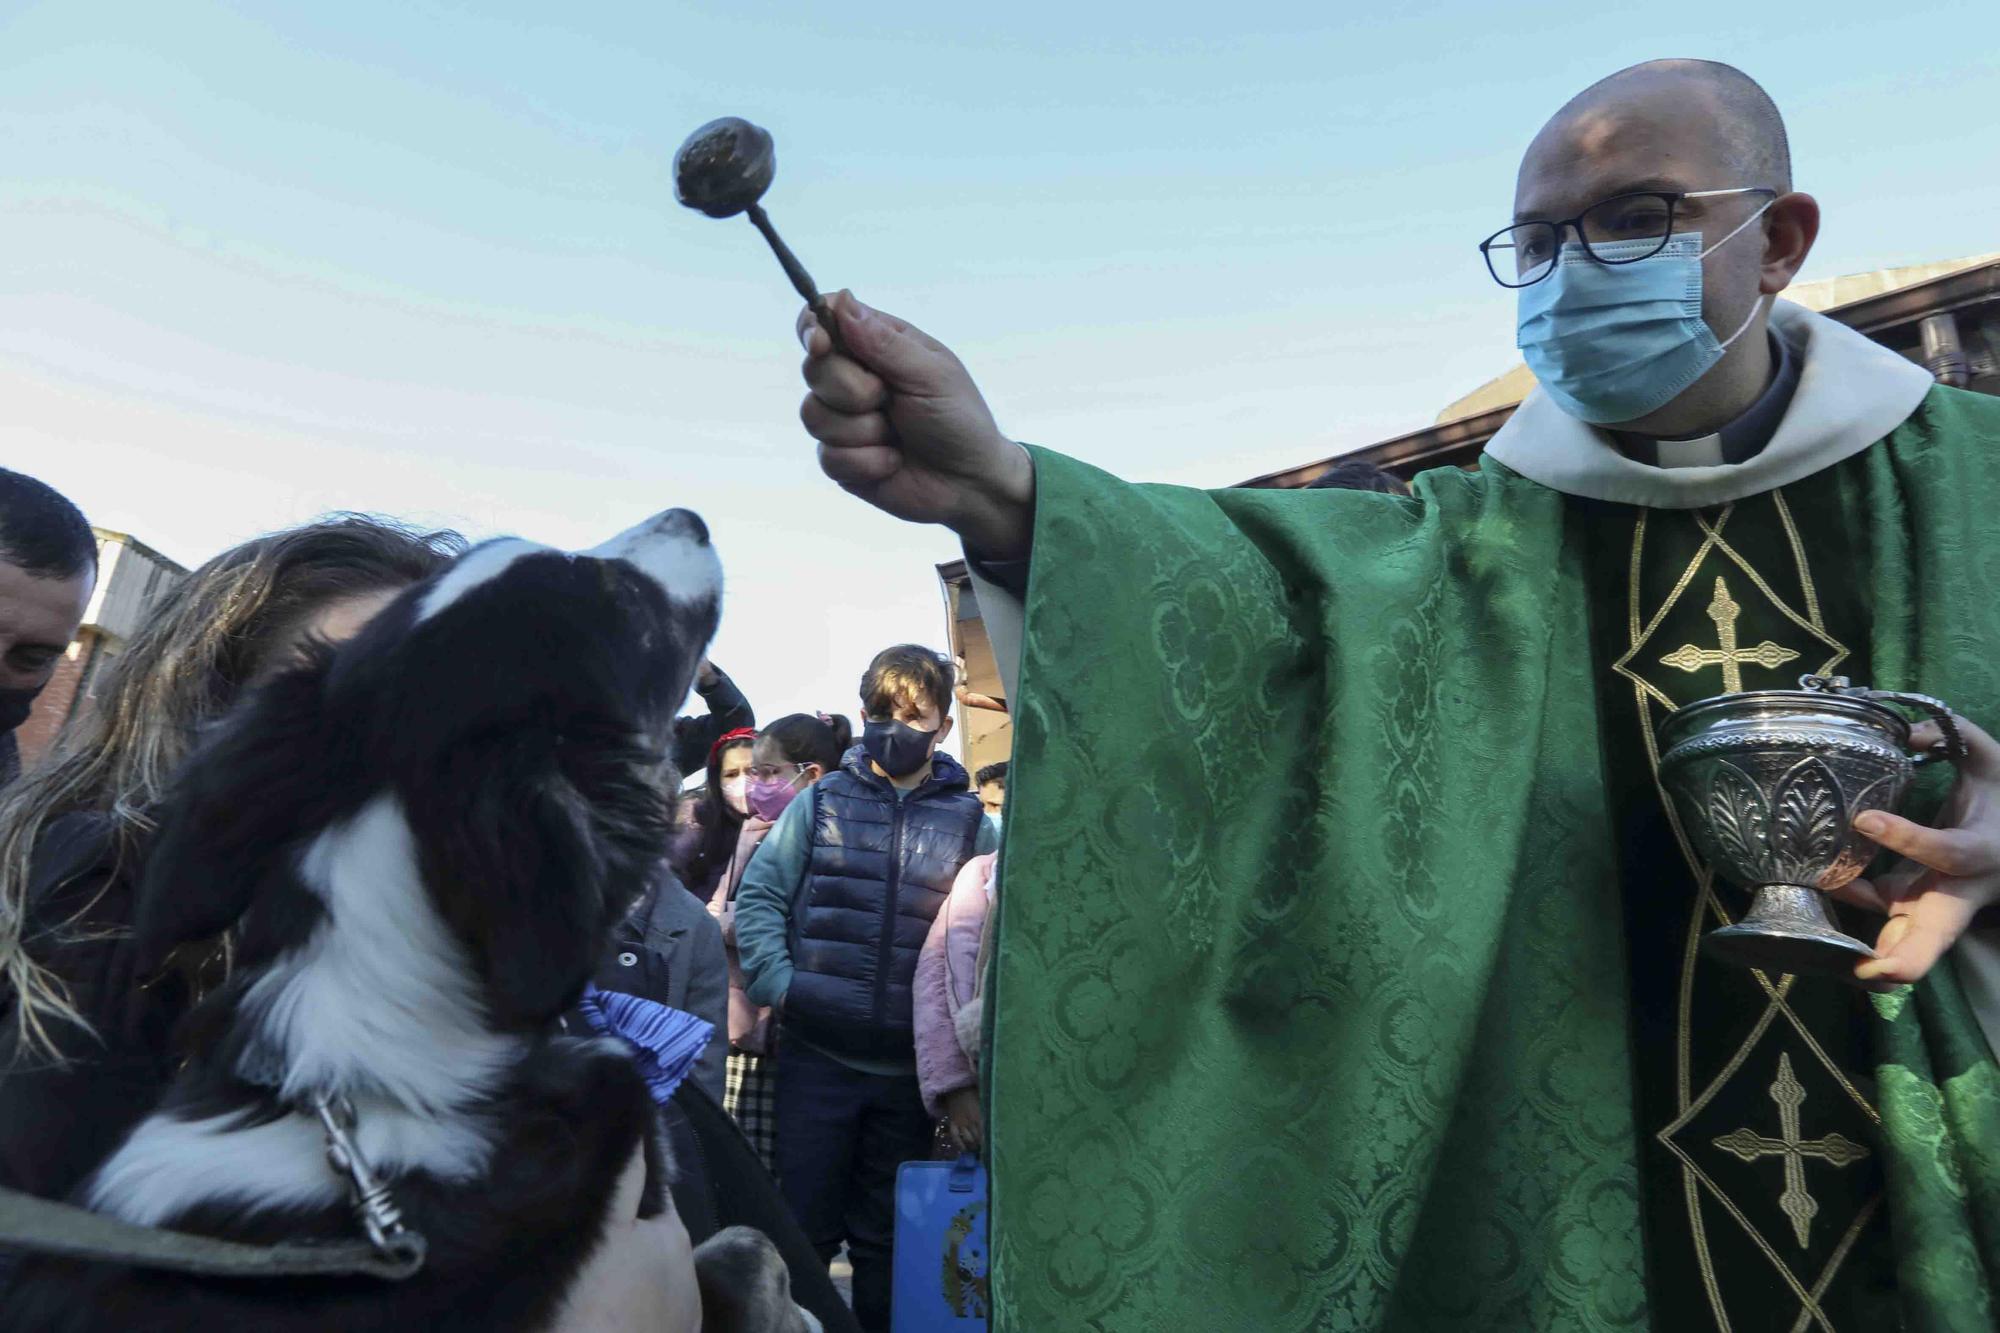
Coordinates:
1789 928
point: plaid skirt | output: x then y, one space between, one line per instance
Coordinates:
750 1095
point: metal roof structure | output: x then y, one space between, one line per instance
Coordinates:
1943 316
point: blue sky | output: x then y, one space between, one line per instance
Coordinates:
261 261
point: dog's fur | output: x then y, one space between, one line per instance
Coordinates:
419 841
745 1287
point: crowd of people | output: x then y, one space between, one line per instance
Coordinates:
827 865
823 902
819 902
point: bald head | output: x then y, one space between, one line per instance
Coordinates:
1706 125
1748 132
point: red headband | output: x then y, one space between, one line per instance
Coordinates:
730 738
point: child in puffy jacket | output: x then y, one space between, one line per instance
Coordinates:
949 1004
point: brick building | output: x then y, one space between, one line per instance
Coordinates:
131 579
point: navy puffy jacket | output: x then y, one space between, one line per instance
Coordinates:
879 871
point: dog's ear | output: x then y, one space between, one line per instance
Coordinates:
513 853
236 807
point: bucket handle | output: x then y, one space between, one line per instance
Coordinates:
1952 748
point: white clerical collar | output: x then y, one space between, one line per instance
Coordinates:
1739 440
1705 451
1851 392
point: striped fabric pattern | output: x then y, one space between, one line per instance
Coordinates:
665 1042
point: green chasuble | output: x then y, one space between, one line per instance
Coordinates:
1346 976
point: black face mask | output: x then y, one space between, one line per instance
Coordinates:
897 748
15 706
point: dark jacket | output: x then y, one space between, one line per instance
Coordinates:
59 1120
699 873
719 1183
668 949
879 870
728 711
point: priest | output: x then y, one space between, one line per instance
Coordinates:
1348 971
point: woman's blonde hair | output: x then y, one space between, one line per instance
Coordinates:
213 634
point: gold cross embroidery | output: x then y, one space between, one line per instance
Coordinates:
1724 611
1796 1201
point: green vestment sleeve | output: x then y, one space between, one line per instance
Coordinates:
1308 1001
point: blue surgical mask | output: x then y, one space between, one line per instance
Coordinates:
1614 342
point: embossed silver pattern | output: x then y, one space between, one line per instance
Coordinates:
1768 783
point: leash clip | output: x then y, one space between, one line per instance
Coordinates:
374 1206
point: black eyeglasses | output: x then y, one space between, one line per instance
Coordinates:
1525 253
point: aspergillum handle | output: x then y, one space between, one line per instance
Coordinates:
802 281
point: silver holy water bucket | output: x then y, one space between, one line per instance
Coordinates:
1768 783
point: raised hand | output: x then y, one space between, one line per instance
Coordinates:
901 425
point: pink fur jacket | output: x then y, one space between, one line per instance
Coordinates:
948 991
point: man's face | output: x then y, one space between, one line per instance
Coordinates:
38 618
993 796
1660 136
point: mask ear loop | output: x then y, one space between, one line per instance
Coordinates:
1744 327
1750 318
1761 211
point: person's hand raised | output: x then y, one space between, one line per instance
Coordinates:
901 425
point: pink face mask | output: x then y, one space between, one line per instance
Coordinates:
733 794
769 799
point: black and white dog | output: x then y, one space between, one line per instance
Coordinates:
420 841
